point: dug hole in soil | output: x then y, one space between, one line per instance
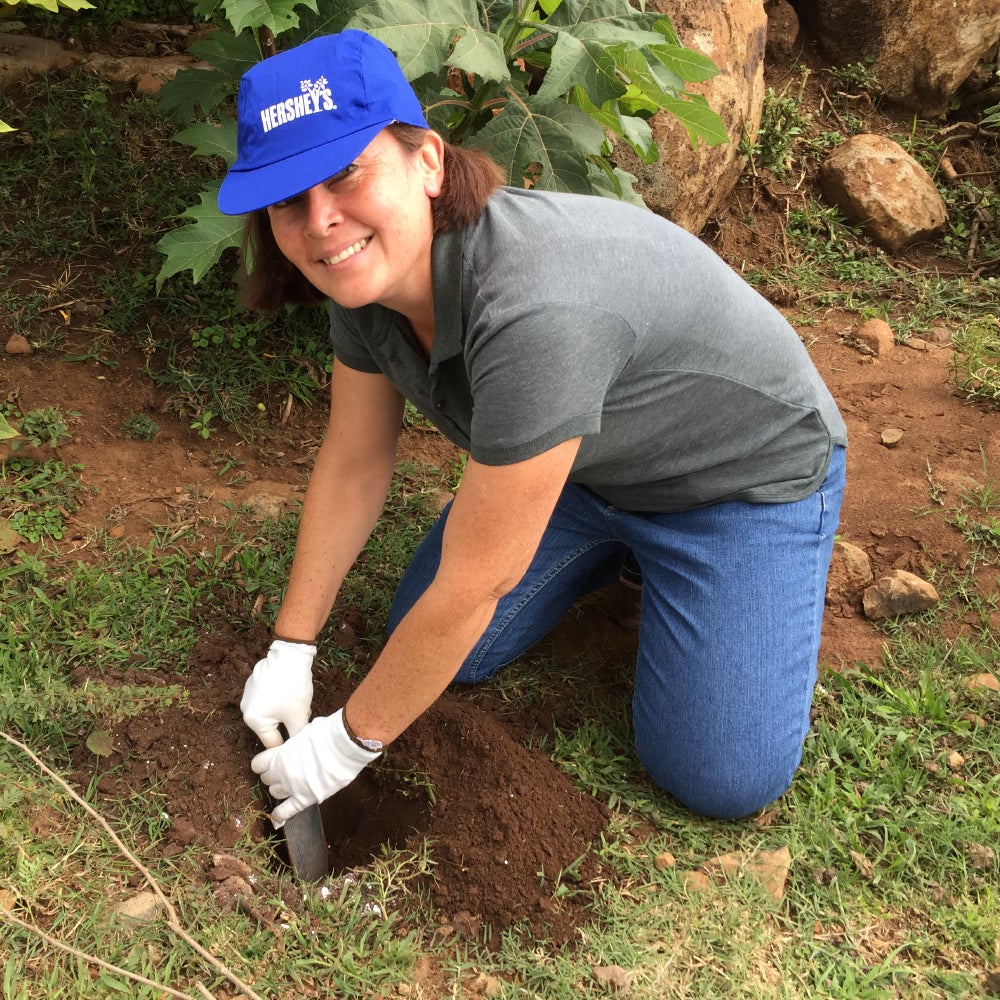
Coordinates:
502 813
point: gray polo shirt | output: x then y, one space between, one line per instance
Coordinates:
560 315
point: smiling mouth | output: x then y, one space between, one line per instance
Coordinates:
349 252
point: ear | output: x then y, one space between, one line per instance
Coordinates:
431 159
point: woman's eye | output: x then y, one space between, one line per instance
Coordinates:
340 175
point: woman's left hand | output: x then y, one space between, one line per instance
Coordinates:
311 766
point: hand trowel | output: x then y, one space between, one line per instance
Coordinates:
306 843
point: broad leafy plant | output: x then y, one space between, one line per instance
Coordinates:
543 85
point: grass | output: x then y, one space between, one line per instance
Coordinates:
893 879
892 887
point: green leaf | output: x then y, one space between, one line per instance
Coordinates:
608 22
331 17
701 122
276 15
613 182
206 8
6 431
211 140
100 743
650 79
580 63
231 54
191 89
198 246
543 144
687 64
427 37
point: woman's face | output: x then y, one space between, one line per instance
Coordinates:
364 235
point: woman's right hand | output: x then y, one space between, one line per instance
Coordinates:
279 691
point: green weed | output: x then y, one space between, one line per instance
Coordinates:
45 427
975 361
140 427
783 123
36 497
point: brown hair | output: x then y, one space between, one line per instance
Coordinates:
270 280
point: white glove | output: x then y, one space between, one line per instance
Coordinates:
279 691
311 766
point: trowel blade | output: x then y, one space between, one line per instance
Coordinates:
307 844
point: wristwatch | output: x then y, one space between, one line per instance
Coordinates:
373 746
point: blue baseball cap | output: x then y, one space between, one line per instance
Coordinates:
306 113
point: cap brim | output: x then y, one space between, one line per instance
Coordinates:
245 191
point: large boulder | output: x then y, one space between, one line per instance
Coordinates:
921 51
688 185
873 180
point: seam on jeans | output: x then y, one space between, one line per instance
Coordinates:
497 628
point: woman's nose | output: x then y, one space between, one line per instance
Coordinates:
322 210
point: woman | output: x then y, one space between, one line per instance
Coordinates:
622 393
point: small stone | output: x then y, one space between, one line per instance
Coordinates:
769 868
613 976
850 573
900 593
940 335
875 336
118 531
16 344
141 908
980 856
956 761
441 498
664 861
697 882
988 681
917 344
891 436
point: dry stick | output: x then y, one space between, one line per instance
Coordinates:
172 920
93 959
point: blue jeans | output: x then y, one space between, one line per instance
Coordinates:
732 606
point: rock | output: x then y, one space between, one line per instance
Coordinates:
688 185
696 882
613 977
141 908
784 32
850 573
876 182
874 336
664 861
769 868
988 681
955 761
921 51
891 436
900 593
22 55
916 344
16 344
145 73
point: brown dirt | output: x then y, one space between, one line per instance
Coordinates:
503 812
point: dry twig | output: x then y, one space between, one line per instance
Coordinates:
173 922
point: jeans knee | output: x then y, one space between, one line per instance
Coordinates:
717 787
